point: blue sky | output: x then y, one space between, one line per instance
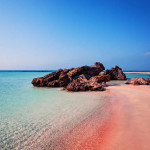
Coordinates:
52 34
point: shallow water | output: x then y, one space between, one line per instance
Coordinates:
34 118
137 75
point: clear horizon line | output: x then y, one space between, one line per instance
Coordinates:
13 70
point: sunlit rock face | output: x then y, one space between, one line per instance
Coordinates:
115 73
82 78
74 79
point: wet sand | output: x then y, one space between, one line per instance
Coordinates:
92 132
124 127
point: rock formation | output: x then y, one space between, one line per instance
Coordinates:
115 73
138 81
148 80
81 78
74 79
95 83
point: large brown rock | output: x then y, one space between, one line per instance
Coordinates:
54 83
81 78
79 84
138 81
38 82
95 86
83 84
100 78
63 77
54 79
148 80
115 73
88 70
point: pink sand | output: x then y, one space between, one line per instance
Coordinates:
132 130
139 72
127 126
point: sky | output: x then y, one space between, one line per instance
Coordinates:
53 34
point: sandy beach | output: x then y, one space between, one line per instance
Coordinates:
54 119
139 72
132 124
126 126
75 75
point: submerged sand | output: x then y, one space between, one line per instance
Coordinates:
126 125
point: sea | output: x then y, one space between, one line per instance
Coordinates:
36 118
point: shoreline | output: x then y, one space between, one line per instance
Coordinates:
132 126
117 118
138 72
126 126
93 132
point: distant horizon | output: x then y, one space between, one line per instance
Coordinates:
62 68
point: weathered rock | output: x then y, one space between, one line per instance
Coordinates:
39 82
148 80
96 69
138 81
100 78
88 70
79 79
54 83
94 86
83 84
79 84
54 79
115 73
63 77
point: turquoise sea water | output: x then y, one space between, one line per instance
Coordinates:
33 118
137 75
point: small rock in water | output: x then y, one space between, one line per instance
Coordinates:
138 81
148 80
